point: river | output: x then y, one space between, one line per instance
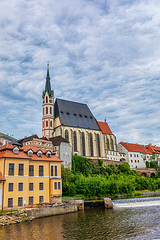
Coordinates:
129 219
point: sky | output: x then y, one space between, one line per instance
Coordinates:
102 53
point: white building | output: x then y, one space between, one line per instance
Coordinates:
136 154
63 150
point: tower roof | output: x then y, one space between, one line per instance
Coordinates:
48 84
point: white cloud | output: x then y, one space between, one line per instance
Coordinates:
103 53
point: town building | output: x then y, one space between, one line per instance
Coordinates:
136 154
62 148
28 175
4 138
75 122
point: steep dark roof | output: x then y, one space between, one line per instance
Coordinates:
75 114
57 140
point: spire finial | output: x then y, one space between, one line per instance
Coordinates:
48 69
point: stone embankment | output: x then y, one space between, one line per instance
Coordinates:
14 217
45 210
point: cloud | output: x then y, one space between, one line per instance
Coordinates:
103 53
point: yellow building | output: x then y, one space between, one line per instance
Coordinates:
29 175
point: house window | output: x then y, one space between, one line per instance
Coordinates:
138 161
40 170
20 186
51 171
31 170
10 187
132 161
20 169
48 154
11 169
59 185
130 155
41 186
30 186
20 201
55 185
137 155
135 160
10 202
56 168
41 199
31 200
134 155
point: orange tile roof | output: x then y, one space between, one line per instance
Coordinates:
132 147
6 152
153 149
104 127
1 177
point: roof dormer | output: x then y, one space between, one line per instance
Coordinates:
48 154
39 153
30 153
16 150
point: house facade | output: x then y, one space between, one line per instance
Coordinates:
28 175
136 154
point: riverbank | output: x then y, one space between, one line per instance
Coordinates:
69 205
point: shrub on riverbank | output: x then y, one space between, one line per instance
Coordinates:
90 180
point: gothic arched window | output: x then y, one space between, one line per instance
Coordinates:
107 143
112 144
91 144
66 135
75 141
98 145
83 144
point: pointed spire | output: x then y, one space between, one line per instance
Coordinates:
48 84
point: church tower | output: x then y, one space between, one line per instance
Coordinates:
48 108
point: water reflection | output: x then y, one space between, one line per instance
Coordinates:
119 223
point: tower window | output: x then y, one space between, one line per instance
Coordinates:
50 123
80 115
46 123
43 111
46 99
50 110
46 110
67 113
75 114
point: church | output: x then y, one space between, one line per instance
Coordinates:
75 122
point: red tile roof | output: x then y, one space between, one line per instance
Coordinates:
132 147
104 127
153 149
